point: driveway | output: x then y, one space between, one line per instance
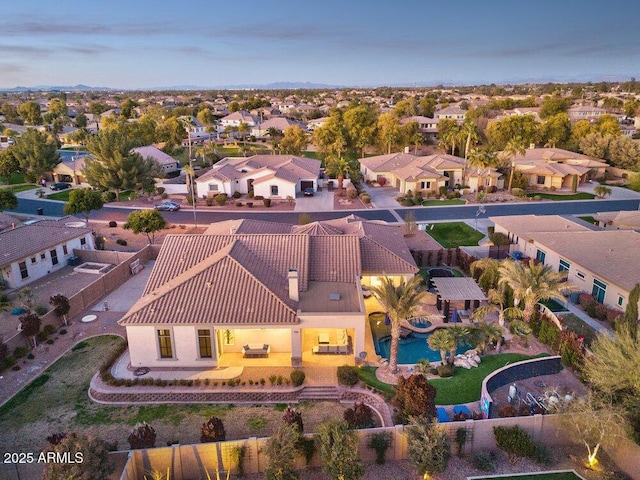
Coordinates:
383 197
321 201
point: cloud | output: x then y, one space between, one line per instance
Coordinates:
48 27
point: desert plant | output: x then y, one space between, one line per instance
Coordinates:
429 449
348 375
293 417
485 461
142 435
61 307
414 397
338 449
360 416
212 431
515 442
380 442
281 449
297 377
220 199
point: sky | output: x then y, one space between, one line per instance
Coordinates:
131 44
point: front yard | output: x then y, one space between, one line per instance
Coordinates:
454 234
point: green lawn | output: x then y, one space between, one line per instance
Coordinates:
454 234
465 385
14 179
62 195
310 154
368 376
553 196
575 324
589 219
440 203
21 187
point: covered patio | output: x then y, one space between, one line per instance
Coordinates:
459 293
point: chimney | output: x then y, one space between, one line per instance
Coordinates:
294 285
406 149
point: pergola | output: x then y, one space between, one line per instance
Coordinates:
457 289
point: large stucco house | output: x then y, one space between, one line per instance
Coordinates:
555 168
32 251
254 291
166 162
599 262
271 176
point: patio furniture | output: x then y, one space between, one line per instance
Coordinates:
442 415
323 339
252 350
342 345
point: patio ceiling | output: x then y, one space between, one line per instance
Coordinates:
458 288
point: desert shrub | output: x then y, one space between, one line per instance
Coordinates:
571 349
499 238
164 195
515 442
160 190
537 198
293 417
209 201
380 442
365 198
20 352
238 204
352 193
258 197
64 332
121 241
348 375
236 194
492 189
429 448
212 431
250 204
220 199
113 224
548 333
601 311
407 202
142 435
517 192
508 411
108 197
442 191
360 416
41 337
41 309
446 370
49 329
297 377
485 461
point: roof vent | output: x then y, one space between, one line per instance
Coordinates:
208 284
334 296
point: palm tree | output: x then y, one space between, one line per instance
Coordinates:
533 282
400 303
441 340
486 333
514 147
489 270
602 191
340 167
480 159
460 335
470 133
521 330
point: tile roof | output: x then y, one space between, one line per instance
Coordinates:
27 240
156 154
525 226
409 166
7 220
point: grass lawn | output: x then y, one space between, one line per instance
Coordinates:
454 234
439 203
553 196
62 195
465 385
21 187
368 376
14 179
575 324
589 219
310 154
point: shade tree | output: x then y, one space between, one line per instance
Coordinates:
36 153
145 221
83 201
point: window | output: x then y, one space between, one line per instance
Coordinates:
83 241
43 256
564 266
599 290
213 187
540 256
24 273
425 185
65 250
620 300
54 257
164 342
33 259
540 180
228 337
204 343
274 190
580 275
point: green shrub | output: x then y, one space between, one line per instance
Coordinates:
160 190
121 241
446 370
348 375
250 204
113 224
49 329
365 198
236 194
220 199
549 334
297 377
41 337
517 192
238 204
108 197
360 416
164 195
209 201
19 352
485 461
515 442
267 202
258 197
380 442
407 202
352 193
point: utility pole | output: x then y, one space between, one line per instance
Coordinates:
192 174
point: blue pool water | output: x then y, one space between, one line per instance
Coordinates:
412 348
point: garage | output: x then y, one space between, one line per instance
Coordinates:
306 184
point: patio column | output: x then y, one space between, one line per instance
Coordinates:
446 311
296 346
439 302
476 304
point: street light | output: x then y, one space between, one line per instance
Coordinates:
192 183
481 210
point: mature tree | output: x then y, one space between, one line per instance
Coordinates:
556 130
554 105
442 341
389 133
8 165
602 191
30 112
429 448
579 130
205 116
449 133
630 318
512 149
608 125
415 397
595 145
294 141
90 457
595 421
400 303
531 283
332 138
126 107
338 450
145 221
36 152
27 298
461 335
281 450
83 200
500 132
411 134
10 113
143 131
623 152
30 324
480 159
61 306
114 166
485 333
487 272
360 125
469 131
81 120
496 304
340 168
8 200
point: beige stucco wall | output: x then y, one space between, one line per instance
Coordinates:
285 188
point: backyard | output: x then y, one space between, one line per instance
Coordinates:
454 234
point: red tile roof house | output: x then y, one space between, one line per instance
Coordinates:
271 176
32 251
248 288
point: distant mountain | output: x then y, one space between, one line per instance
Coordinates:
253 86
47 88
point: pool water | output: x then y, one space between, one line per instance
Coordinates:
553 305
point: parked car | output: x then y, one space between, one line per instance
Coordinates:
60 186
168 207
308 192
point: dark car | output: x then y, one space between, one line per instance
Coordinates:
60 186
308 192
168 207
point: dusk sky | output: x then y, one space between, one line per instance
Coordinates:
144 44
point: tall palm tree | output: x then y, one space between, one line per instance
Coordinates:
340 167
480 159
491 331
514 147
470 133
489 269
533 282
441 340
400 303
486 333
460 335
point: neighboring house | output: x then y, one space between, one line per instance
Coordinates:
70 170
597 261
406 171
585 113
269 176
32 251
554 168
623 220
279 123
427 126
166 162
236 118
253 288
316 123
451 112
7 221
